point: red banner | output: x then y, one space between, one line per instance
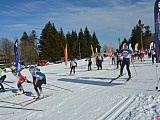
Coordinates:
110 50
66 55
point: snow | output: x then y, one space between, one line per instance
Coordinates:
87 95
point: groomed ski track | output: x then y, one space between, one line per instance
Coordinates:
116 110
87 95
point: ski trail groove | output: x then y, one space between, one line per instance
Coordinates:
114 112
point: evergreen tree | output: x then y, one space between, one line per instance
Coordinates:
95 43
147 37
87 38
52 43
141 37
28 47
69 42
135 37
32 42
62 42
49 45
24 47
74 40
81 42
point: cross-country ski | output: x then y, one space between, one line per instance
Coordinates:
13 96
20 108
30 101
128 79
115 78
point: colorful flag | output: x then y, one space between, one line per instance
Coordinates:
92 51
130 47
110 50
66 55
157 28
17 56
124 46
136 47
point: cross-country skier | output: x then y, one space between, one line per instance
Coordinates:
132 57
89 64
99 60
39 78
113 58
119 58
142 54
21 79
73 65
2 78
153 53
126 60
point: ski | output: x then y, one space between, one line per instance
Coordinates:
60 87
11 107
115 78
30 101
50 88
8 85
13 96
71 75
128 79
156 87
3 101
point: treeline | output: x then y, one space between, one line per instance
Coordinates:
142 35
6 51
51 44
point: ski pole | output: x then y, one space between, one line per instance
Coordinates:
9 85
49 88
157 78
11 107
9 102
114 67
134 68
59 87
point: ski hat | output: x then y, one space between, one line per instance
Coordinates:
32 68
14 71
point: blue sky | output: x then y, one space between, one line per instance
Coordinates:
109 19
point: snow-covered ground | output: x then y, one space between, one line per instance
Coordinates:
87 95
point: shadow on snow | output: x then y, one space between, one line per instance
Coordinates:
89 82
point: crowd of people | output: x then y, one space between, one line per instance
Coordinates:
120 58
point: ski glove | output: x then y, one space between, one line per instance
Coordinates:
44 82
36 81
29 81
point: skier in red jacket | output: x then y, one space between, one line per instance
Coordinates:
21 80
